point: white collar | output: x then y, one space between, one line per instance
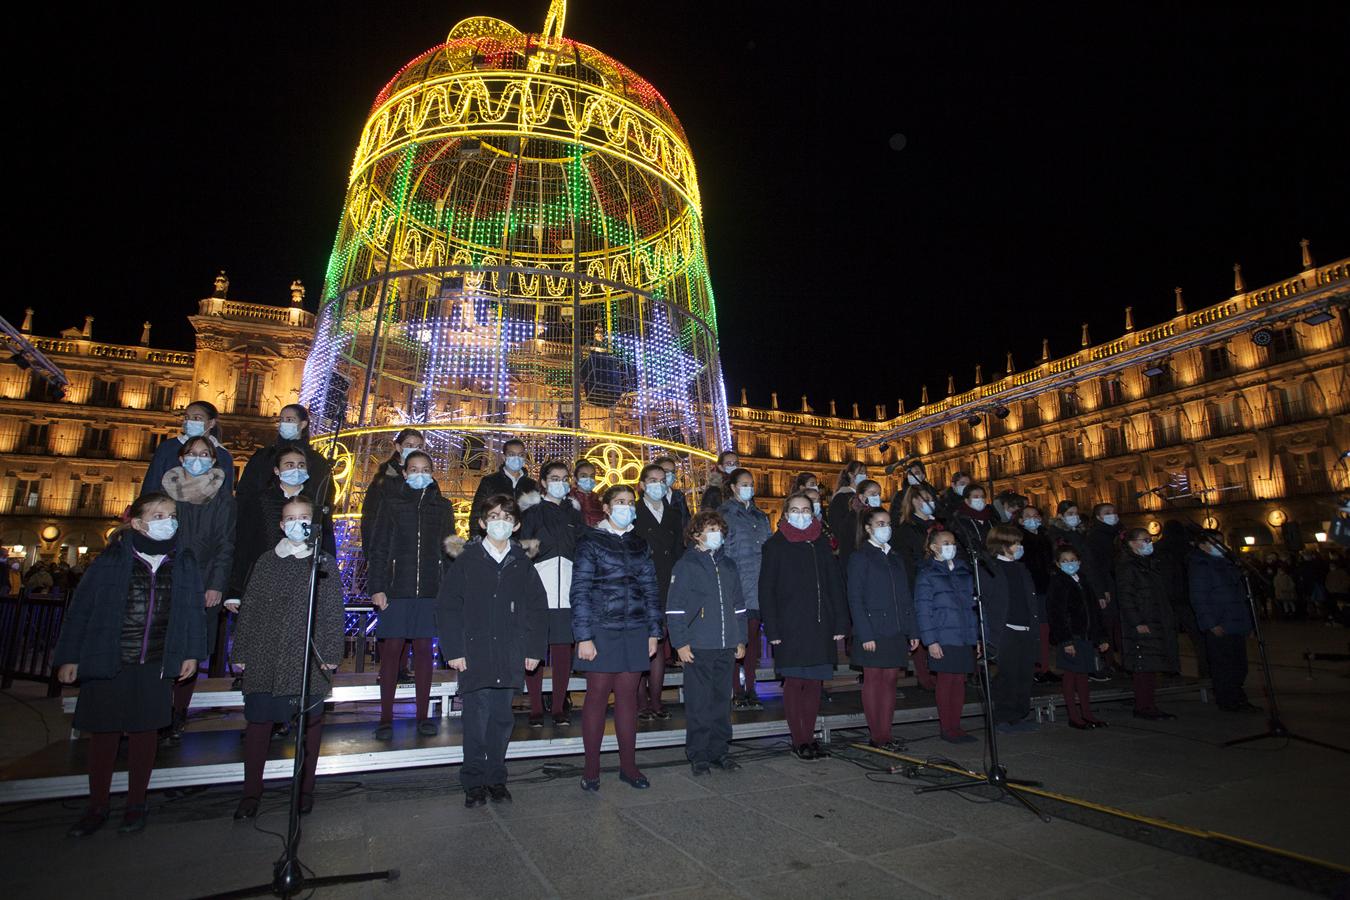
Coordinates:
884 548
606 524
492 551
287 547
152 559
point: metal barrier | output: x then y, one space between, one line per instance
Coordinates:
29 627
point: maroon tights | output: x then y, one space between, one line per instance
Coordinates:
878 698
624 687
922 674
1077 690
391 662
656 679
141 747
560 661
257 738
801 703
951 697
1144 683
1043 660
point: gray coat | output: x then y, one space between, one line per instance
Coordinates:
747 530
269 637
206 522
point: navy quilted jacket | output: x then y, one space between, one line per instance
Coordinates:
614 585
944 602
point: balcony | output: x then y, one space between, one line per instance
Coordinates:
1222 426
1291 411
1167 436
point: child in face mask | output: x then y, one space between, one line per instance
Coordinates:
405 559
944 599
493 615
135 624
1147 621
747 528
387 480
1076 630
269 646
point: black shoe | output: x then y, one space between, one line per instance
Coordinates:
428 728
663 714
1081 726
1052 677
888 746
640 781
1159 714
1099 677
281 731
93 820
384 732
727 763
561 720
819 751
536 721
804 752
306 804
646 716
1098 723
247 808
134 819
499 793
475 796
700 768
178 727
752 702
590 785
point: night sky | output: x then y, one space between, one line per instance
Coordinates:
1056 164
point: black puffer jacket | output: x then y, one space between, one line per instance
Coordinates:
406 554
145 626
801 601
388 479
880 602
492 616
1142 600
92 631
1074 612
910 538
614 585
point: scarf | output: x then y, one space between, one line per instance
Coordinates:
981 516
143 543
196 490
799 535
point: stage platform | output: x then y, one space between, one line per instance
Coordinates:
215 756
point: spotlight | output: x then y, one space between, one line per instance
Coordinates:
1001 412
1154 370
884 448
1249 540
1318 318
973 421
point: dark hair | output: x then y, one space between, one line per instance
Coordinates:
505 502
1135 534
911 491
184 450
513 441
725 453
302 414
1064 506
211 413
300 499
796 495
1029 505
651 467
551 466
866 485
932 536
1062 548
865 518
662 460
615 490
421 453
1098 507
291 451
137 508
700 522
975 486
407 433
802 478
583 461
735 474
1011 498
846 474
958 475
1001 537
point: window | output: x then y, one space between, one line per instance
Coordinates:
26 495
1223 417
1031 414
1072 448
1283 343
97 441
1113 436
248 391
1218 361
105 393
1031 458
1161 381
91 497
1166 429
35 439
161 396
38 389
1113 391
1068 402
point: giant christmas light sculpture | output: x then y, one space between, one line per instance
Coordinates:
521 254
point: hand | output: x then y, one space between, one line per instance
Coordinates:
686 653
1070 650
935 651
213 598
232 604
187 669
379 600
740 651
838 637
239 666
913 644
870 646
586 650
776 643
67 673
531 664
1102 601
1103 647
1142 629
979 651
651 646
459 664
332 667
1217 631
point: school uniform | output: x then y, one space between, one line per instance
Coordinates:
660 528
552 529
497 483
747 530
1075 619
1142 599
881 609
944 606
1220 601
1013 633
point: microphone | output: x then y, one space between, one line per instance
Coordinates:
305 526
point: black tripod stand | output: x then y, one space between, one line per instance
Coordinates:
995 775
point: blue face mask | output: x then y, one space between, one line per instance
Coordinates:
193 428
296 530
197 465
745 492
1146 549
1070 568
622 516
161 529
712 539
800 521
874 500
882 534
1017 551
859 478
294 477
557 489
1032 525
515 463
670 479
586 484
419 480
655 491
404 452
289 431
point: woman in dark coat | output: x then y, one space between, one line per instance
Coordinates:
1076 629
269 646
805 614
944 607
1148 627
882 612
388 479
658 523
840 514
494 623
200 419
206 525
616 620
135 624
971 522
549 532
405 562
1012 626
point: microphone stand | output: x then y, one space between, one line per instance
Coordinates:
995 775
288 873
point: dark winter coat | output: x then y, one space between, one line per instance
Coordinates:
747 530
944 604
258 528
614 585
680 503
665 539
1074 612
706 608
1142 600
1039 558
843 520
269 635
998 580
971 533
714 495
1218 595
406 554
166 458
494 616
499 483
910 537
555 528
91 632
1173 552
948 502
259 476
1103 546
388 478
1059 533
206 522
801 601
880 604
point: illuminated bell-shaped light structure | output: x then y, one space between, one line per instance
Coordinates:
520 254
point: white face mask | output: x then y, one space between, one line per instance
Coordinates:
670 479
197 465
296 530
730 467
655 491
288 430
294 476
515 463
1110 519
161 529
712 540
815 508
882 534
1032 525
947 552
800 520
622 516
976 503
405 451
557 489
194 428
859 478
874 500
745 492
1073 521
960 489
1017 551
500 529
926 507
914 479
